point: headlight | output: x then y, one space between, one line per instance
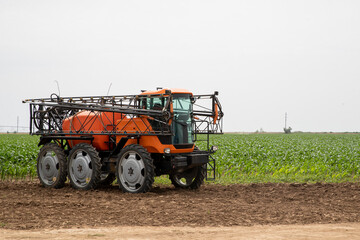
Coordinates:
214 148
167 150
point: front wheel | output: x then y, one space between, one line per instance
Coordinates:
135 169
191 178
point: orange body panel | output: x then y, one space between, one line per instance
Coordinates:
96 122
151 143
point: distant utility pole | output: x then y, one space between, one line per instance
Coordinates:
17 124
287 129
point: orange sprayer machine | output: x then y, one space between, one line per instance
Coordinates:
133 138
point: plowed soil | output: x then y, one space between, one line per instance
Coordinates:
28 205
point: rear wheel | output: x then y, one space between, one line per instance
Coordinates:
51 166
135 169
84 167
191 178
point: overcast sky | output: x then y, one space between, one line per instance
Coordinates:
264 57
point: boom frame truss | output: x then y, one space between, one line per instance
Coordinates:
47 115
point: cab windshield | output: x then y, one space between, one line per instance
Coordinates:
182 124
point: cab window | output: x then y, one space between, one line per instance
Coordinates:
153 103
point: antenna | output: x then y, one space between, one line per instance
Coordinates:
57 83
109 89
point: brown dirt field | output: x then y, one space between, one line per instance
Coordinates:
279 232
221 209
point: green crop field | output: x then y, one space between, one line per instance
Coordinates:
240 158
18 154
288 157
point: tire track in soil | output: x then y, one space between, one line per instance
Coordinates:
27 205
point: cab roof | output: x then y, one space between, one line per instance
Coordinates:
163 91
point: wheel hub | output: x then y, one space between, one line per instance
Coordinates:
48 167
131 171
81 170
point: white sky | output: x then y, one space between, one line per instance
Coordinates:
264 57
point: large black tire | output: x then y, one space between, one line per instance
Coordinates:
51 166
84 167
135 169
189 179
